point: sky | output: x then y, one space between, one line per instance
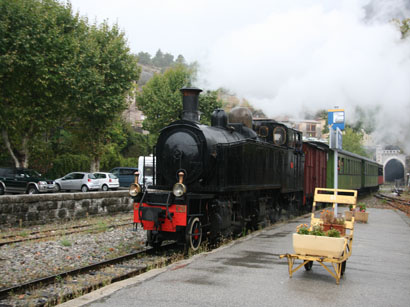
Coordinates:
282 56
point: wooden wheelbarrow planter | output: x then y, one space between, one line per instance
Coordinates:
335 251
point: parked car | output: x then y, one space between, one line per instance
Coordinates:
107 181
125 175
23 180
77 181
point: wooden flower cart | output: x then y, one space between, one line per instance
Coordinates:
336 251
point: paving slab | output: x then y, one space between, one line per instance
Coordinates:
248 272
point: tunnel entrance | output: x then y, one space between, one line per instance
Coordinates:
393 170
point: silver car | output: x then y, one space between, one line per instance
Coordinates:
77 181
107 181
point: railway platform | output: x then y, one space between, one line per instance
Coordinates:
248 272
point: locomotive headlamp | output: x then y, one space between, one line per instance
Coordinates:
179 188
135 187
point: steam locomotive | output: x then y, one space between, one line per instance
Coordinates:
213 181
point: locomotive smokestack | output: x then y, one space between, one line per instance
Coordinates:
190 98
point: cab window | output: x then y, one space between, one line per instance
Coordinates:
279 136
263 131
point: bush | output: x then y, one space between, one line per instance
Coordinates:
113 159
67 163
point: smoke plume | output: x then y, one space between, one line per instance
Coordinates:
318 55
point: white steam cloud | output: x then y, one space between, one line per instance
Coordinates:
321 54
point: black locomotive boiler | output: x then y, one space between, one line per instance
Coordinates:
218 180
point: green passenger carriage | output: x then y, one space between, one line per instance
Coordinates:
354 171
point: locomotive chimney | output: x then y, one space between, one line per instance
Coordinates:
190 98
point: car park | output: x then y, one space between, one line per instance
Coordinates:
125 175
23 180
77 181
107 181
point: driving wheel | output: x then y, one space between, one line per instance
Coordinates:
194 233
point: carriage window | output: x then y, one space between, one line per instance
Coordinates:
341 162
279 136
263 131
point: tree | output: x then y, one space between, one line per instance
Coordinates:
352 141
158 59
180 59
160 99
144 58
404 27
112 71
38 47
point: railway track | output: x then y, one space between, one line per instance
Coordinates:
396 202
57 288
63 286
49 233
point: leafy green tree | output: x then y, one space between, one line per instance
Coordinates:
160 99
158 59
352 141
180 60
208 102
113 72
144 58
39 42
168 60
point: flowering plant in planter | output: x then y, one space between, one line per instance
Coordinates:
327 216
317 242
332 222
362 207
333 233
303 229
362 215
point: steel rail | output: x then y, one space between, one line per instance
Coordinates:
73 230
52 278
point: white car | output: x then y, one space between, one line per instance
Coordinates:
107 181
79 181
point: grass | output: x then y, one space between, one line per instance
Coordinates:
65 242
24 234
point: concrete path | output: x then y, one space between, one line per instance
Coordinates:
250 273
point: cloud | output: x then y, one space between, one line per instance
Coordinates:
315 56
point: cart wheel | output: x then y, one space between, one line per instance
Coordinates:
308 265
343 268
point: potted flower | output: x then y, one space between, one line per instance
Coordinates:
332 222
361 215
316 242
349 214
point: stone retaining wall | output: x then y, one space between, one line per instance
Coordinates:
26 210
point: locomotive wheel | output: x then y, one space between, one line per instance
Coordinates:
308 266
152 240
194 234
